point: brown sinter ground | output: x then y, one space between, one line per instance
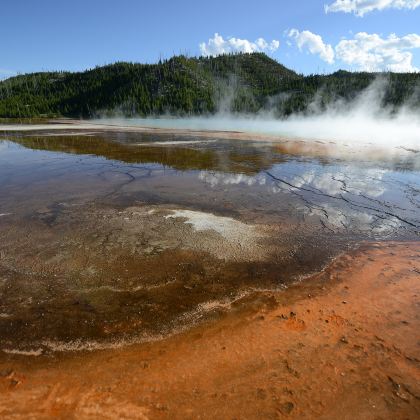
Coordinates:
344 344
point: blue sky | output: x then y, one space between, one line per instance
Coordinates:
76 35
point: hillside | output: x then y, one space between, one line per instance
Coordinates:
186 86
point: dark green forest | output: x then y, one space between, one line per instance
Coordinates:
243 83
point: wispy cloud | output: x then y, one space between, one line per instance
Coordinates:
362 7
5 73
219 45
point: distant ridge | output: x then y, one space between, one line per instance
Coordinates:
246 83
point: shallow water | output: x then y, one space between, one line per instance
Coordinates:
353 126
115 237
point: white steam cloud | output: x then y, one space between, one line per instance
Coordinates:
365 52
363 122
362 7
218 45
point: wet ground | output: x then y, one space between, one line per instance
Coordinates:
113 237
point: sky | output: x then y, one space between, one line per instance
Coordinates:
309 36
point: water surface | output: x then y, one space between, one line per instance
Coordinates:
115 237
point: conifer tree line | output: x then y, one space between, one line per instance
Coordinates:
237 83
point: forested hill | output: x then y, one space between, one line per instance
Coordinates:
186 86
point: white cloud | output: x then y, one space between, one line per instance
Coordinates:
370 52
218 45
313 43
361 7
366 52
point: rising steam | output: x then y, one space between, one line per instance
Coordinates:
361 121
